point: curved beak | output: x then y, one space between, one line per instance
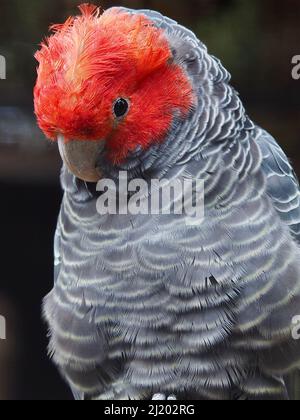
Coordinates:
81 157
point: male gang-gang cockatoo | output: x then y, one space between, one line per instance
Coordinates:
146 305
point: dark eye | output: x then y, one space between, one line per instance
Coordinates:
121 107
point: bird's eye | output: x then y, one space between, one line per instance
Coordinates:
121 107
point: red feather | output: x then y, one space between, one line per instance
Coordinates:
93 59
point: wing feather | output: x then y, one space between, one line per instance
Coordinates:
283 185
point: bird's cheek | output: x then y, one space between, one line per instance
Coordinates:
81 157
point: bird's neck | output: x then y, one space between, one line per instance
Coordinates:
211 145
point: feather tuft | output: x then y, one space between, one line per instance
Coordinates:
90 10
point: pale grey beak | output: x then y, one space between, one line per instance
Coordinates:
81 157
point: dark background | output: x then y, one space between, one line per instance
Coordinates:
256 40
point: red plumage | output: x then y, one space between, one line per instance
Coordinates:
93 59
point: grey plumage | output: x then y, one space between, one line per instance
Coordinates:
143 305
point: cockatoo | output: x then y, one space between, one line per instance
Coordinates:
149 305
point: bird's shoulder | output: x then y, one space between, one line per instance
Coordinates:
282 182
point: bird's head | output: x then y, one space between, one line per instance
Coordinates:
108 83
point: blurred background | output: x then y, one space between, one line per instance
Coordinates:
256 40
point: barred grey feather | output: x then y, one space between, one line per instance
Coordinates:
147 304
283 185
